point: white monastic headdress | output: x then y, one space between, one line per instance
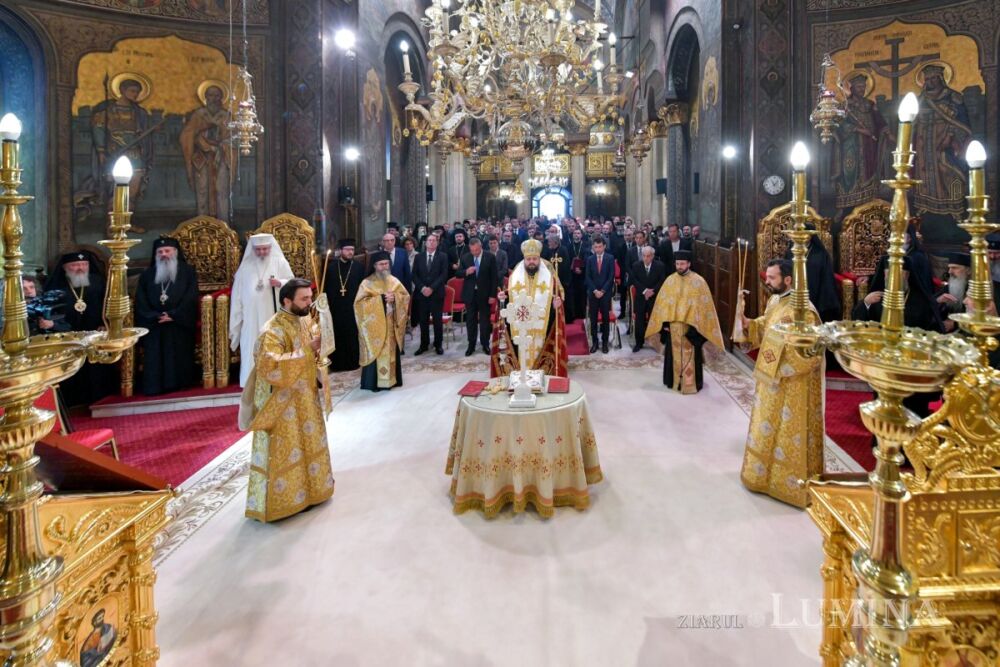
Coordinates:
276 258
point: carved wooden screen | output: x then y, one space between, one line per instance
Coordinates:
297 240
212 248
864 238
771 243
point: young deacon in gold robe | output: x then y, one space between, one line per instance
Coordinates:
381 309
290 463
785 443
684 315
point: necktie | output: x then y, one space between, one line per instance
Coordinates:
599 257
430 260
477 266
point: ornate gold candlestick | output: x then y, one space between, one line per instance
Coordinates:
28 367
897 362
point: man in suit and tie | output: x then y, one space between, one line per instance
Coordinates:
399 263
647 276
600 281
430 271
670 245
479 291
503 263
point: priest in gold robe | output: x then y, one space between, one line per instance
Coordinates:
381 310
785 443
536 278
684 317
290 460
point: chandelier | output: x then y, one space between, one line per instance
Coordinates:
245 127
498 62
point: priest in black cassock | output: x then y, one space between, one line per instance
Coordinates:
166 303
821 279
78 276
342 281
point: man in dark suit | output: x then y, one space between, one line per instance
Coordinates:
600 281
479 291
670 245
647 276
399 263
430 271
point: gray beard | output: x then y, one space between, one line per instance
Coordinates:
957 288
78 280
166 271
383 275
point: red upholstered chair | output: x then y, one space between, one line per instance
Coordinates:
447 316
457 307
91 438
631 311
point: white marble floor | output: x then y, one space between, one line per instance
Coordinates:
385 574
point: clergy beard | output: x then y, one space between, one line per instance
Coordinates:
78 280
957 288
783 290
298 312
166 270
680 273
531 271
383 275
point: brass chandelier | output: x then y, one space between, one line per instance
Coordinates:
524 69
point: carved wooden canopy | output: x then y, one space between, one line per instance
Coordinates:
864 238
297 240
212 248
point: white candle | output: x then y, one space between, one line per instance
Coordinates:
404 46
612 40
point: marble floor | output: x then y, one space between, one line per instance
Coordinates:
385 574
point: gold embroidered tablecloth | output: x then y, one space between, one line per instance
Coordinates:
545 456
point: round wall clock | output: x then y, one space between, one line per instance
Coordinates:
774 185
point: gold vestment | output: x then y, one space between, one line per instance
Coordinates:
381 326
290 463
684 301
785 442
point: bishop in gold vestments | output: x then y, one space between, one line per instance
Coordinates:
685 314
381 310
290 460
785 443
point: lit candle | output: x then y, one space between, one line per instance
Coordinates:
10 131
445 4
975 155
908 110
612 40
799 160
404 46
598 66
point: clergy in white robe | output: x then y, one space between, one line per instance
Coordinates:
254 297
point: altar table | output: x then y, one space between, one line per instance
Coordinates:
545 456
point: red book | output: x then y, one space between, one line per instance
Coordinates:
558 385
473 388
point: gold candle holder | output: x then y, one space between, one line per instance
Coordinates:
28 367
117 306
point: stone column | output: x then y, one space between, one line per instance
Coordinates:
578 178
434 179
469 191
524 208
631 189
454 202
676 116
658 156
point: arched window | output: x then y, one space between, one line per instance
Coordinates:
553 202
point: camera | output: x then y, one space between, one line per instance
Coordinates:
47 306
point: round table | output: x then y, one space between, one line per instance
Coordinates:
545 456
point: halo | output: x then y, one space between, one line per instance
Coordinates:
869 87
147 85
949 72
208 83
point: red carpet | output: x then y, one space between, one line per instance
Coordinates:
171 445
843 425
576 339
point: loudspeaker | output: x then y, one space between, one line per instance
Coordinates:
661 186
345 195
430 193
697 182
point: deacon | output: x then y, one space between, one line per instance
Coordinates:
381 312
785 442
290 460
254 298
78 277
166 303
343 278
646 277
684 315
535 278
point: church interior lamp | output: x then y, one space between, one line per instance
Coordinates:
28 367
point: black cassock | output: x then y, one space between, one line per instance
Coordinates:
168 348
696 340
93 381
346 276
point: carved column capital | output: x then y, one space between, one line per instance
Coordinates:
577 148
675 113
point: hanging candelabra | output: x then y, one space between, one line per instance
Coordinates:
245 127
829 111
